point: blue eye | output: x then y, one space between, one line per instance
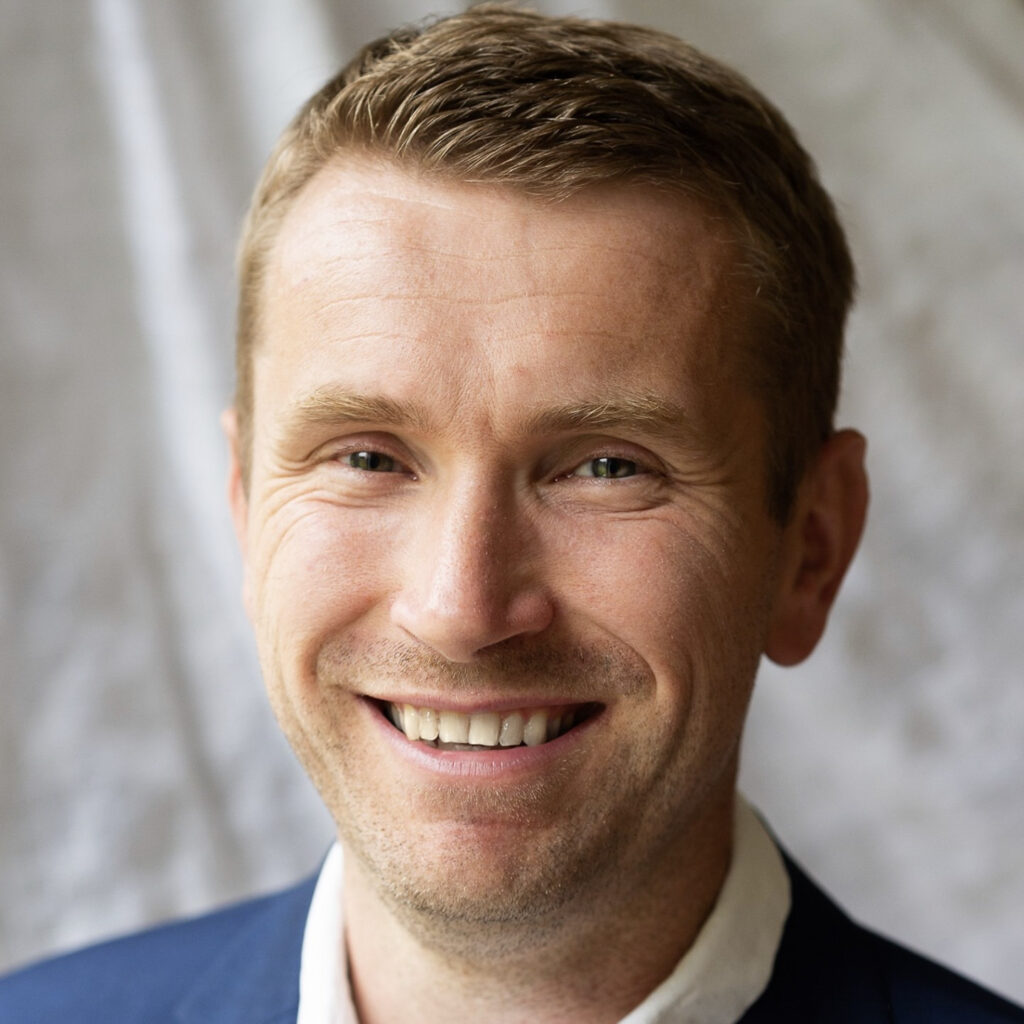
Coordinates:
373 462
608 467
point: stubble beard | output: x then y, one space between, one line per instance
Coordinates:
540 876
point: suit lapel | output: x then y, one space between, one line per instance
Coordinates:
254 979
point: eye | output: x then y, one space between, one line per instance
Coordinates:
607 467
372 462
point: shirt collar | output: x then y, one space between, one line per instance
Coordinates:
717 980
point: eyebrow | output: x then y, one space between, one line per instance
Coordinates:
328 405
647 413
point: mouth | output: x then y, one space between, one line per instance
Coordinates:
445 729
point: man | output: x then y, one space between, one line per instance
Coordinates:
532 460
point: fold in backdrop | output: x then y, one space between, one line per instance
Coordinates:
141 774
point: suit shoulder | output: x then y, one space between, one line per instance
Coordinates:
921 990
143 976
831 970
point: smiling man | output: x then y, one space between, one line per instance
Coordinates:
511 566
532 461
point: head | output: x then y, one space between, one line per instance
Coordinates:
533 458
551 107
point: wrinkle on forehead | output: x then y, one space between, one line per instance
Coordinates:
360 194
372 254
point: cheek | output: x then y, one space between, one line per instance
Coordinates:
314 569
691 602
658 582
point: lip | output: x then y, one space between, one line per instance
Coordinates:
490 765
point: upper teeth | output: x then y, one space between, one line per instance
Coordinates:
482 728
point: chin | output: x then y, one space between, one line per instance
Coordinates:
481 876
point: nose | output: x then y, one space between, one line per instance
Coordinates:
470 578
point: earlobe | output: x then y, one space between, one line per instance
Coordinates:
819 544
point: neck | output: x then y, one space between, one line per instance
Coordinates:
591 961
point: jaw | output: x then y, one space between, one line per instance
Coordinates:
535 900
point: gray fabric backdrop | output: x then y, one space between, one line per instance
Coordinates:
141 774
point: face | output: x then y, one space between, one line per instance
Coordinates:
507 484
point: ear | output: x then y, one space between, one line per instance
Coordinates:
818 545
238 500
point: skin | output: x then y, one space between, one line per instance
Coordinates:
494 355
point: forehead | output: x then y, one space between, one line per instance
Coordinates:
375 262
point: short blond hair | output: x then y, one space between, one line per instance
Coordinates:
550 106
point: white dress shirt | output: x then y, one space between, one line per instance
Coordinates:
717 980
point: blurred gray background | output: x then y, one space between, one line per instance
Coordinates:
141 774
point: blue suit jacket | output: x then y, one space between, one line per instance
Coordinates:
241 966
